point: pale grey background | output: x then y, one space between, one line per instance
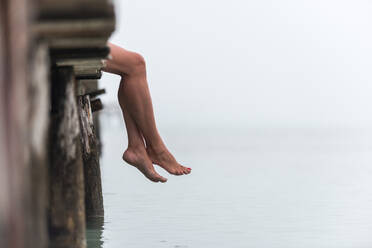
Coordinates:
245 63
265 100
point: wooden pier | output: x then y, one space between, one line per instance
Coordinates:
51 55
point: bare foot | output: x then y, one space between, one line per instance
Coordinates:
165 159
139 159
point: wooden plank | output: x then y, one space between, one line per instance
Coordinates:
77 43
92 171
80 63
67 208
96 93
75 28
84 68
68 9
87 73
80 53
87 88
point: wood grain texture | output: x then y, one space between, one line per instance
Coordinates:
67 209
41 161
90 151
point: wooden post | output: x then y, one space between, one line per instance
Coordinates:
15 198
67 210
92 171
30 117
90 87
38 121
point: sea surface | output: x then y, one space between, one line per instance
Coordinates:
249 187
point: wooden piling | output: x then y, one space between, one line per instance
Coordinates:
20 223
42 194
90 151
67 209
90 87
38 120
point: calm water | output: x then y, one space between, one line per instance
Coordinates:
259 188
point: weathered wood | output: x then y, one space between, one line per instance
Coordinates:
97 128
38 116
92 171
88 87
87 72
80 53
96 93
75 43
96 105
80 63
68 9
67 208
71 29
75 28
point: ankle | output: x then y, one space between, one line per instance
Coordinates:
136 148
156 149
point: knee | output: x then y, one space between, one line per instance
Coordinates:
138 63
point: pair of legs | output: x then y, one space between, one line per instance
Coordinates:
145 146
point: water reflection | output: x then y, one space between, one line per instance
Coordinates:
95 226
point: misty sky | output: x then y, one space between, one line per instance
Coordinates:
239 63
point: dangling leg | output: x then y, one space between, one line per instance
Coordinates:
135 99
136 154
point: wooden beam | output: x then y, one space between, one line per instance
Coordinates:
87 73
90 87
74 28
83 68
77 43
69 9
96 93
96 105
67 208
80 62
92 171
80 53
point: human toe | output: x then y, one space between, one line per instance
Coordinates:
155 177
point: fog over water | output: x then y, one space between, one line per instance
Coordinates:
269 103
